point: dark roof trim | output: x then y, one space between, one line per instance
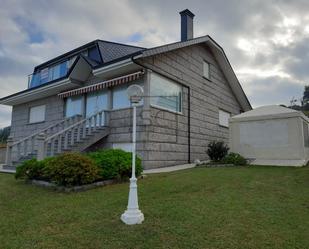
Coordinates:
122 44
120 59
230 66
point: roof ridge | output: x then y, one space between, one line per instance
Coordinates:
122 44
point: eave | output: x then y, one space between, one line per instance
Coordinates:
79 72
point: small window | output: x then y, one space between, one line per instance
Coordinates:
37 114
206 70
224 118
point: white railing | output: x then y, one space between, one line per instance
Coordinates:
69 136
30 144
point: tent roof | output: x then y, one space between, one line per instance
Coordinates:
268 112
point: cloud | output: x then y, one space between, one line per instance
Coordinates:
265 40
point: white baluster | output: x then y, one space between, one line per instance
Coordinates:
59 143
78 132
52 147
66 139
72 136
84 128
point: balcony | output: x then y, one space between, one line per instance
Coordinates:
49 74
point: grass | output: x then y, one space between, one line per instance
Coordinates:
241 207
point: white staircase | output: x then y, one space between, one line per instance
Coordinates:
70 135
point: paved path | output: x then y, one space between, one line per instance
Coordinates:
169 169
6 170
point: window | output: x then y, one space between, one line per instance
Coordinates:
37 114
206 69
93 53
44 75
165 93
123 146
120 97
74 106
96 101
224 118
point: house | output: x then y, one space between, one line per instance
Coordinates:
271 135
78 102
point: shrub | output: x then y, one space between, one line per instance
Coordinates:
217 150
115 163
30 169
71 169
234 158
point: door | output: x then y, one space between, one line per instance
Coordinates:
96 101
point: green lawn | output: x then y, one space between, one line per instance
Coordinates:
241 207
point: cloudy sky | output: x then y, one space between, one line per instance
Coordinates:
267 42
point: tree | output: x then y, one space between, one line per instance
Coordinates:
305 99
4 134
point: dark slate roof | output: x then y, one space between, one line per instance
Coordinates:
111 51
90 61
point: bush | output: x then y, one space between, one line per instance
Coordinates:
217 150
234 158
30 169
71 169
115 163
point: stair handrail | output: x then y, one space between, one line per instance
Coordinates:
25 141
75 125
46 129
82 132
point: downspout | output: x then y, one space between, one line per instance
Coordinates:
189 125
189 108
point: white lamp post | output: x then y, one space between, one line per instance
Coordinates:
133 215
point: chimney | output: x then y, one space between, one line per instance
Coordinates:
186 25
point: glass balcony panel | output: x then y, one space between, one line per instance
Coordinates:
49 74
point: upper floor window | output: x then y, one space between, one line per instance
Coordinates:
37 114
206 70
224 118
165 93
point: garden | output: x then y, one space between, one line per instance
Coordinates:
77 169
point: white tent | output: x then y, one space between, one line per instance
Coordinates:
271 135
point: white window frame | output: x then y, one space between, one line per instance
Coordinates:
224 118
39 116
206 75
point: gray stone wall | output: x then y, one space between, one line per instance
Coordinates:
21 127
168 145
162 136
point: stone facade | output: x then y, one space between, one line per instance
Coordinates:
163 136
168 135
20 126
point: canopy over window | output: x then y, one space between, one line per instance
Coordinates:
105 84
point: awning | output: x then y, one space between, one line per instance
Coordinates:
105 84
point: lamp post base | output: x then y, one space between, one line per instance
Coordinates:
132 217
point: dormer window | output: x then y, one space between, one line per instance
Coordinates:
206 70
44 75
